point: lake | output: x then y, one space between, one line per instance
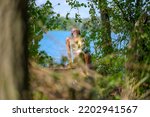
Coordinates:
53 43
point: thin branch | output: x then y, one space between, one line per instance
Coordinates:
123 13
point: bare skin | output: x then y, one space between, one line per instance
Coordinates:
68 48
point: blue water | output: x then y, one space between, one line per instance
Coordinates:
53 43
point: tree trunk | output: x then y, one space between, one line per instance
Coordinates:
106 28
13 56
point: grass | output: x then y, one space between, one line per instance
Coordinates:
82 83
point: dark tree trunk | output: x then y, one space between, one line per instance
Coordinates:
13 55
106 28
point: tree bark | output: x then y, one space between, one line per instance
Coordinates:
13 47
106 28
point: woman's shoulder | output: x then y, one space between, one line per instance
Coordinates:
68 38
80 38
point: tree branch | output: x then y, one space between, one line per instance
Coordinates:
123 13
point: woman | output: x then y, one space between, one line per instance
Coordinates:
74 46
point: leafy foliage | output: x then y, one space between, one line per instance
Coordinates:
41 19
123 62
44 60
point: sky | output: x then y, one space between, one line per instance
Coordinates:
64 8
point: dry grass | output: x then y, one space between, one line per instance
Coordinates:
62 84
81 83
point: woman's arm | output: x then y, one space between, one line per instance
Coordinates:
68 48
